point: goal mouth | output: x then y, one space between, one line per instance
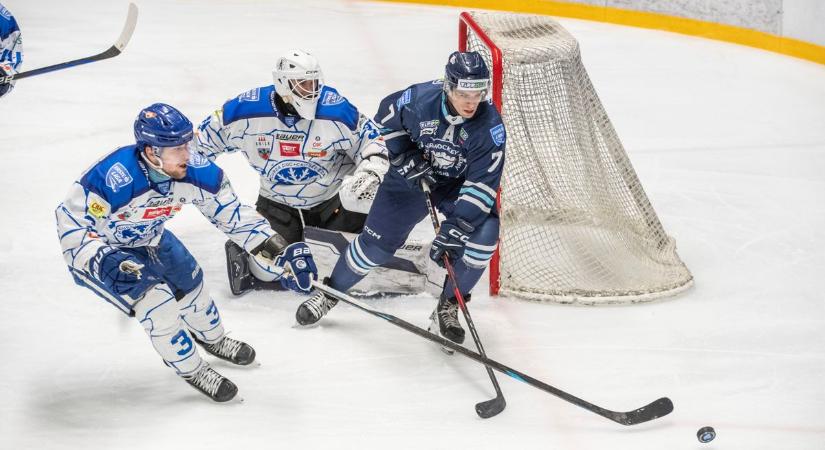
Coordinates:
576 224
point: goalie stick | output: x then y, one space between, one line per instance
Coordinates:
654 410
493 406
114 50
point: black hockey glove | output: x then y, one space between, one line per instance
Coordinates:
5 82
412 166
451 239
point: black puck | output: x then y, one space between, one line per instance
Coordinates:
706 434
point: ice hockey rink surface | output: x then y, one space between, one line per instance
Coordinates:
728 141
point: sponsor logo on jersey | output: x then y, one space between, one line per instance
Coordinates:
154 213
332 98
197 160
5 12
155 202
462 136
118 177
405 98
251 95
428 127
287 136
97 209
124 215
497 132
264 145
296 172
290 148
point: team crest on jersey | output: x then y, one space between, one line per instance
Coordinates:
264 145
332 98
97 209
130 232
197 160
428 127
118 177
251 95
296 172
497 132
405 98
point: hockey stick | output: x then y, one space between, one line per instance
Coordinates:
493 406
659 408
114 50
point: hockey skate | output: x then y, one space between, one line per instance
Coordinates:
231 350
313 309
212 384
444 321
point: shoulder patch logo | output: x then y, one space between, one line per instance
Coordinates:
251 95
118 177
332 98
97 209
405 98
197 160
497 132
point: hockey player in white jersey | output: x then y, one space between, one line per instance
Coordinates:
308 144
111 229
11 50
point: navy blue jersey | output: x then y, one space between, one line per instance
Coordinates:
470 153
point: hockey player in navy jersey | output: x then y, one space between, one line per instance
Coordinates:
307 143
442 133
111 229
11 50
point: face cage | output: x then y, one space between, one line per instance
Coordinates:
298 89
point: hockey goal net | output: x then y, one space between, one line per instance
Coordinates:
576 225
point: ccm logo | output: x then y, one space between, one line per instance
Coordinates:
458 235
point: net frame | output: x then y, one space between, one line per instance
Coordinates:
476 32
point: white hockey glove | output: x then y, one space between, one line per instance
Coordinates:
358 190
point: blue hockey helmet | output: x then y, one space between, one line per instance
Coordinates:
161 125
466 71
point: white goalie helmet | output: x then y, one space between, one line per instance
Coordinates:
298 80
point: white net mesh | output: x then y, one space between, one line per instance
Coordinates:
577 226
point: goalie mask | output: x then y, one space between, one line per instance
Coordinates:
298 81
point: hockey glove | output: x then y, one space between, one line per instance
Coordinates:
121 273
296 260
450 240
413 168
6 82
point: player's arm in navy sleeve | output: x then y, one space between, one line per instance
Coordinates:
485 163
393 117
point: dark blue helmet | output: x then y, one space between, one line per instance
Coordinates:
161 125
466 71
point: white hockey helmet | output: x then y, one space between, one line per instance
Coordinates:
298 80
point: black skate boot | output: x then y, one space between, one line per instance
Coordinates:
212 384
446 314
316 307
231 350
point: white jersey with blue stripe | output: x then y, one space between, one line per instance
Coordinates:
115 203
301 162
11 43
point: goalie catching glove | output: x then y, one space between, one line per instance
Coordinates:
358 190
292 265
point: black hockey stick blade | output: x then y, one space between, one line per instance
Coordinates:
114 50
659 408
491 407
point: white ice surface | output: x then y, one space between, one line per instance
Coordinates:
728 141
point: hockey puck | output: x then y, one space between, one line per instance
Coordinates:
706 434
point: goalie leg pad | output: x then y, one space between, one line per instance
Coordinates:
159 315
